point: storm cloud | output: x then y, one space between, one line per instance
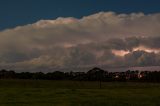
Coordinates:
105 38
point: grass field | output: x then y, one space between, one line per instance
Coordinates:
74 93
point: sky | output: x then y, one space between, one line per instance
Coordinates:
18 12
47 35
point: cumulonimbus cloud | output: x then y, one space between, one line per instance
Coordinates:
105 38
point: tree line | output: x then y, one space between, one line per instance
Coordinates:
95 74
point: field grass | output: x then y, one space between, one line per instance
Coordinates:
74 93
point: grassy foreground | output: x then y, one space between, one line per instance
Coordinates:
74 93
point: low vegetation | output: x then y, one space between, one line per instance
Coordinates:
77 93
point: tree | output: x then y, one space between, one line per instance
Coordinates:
97 74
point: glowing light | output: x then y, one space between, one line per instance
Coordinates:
120 52
140 48
149 50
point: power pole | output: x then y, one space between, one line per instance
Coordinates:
100 83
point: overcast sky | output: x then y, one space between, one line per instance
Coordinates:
67 34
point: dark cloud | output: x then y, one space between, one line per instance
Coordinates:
142 58
151 42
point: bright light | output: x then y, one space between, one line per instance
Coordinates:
149 50
120 52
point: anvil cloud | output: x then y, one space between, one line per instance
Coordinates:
105 38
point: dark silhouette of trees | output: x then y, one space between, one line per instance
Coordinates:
57 75
4 74
38 75
95 74
24 75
